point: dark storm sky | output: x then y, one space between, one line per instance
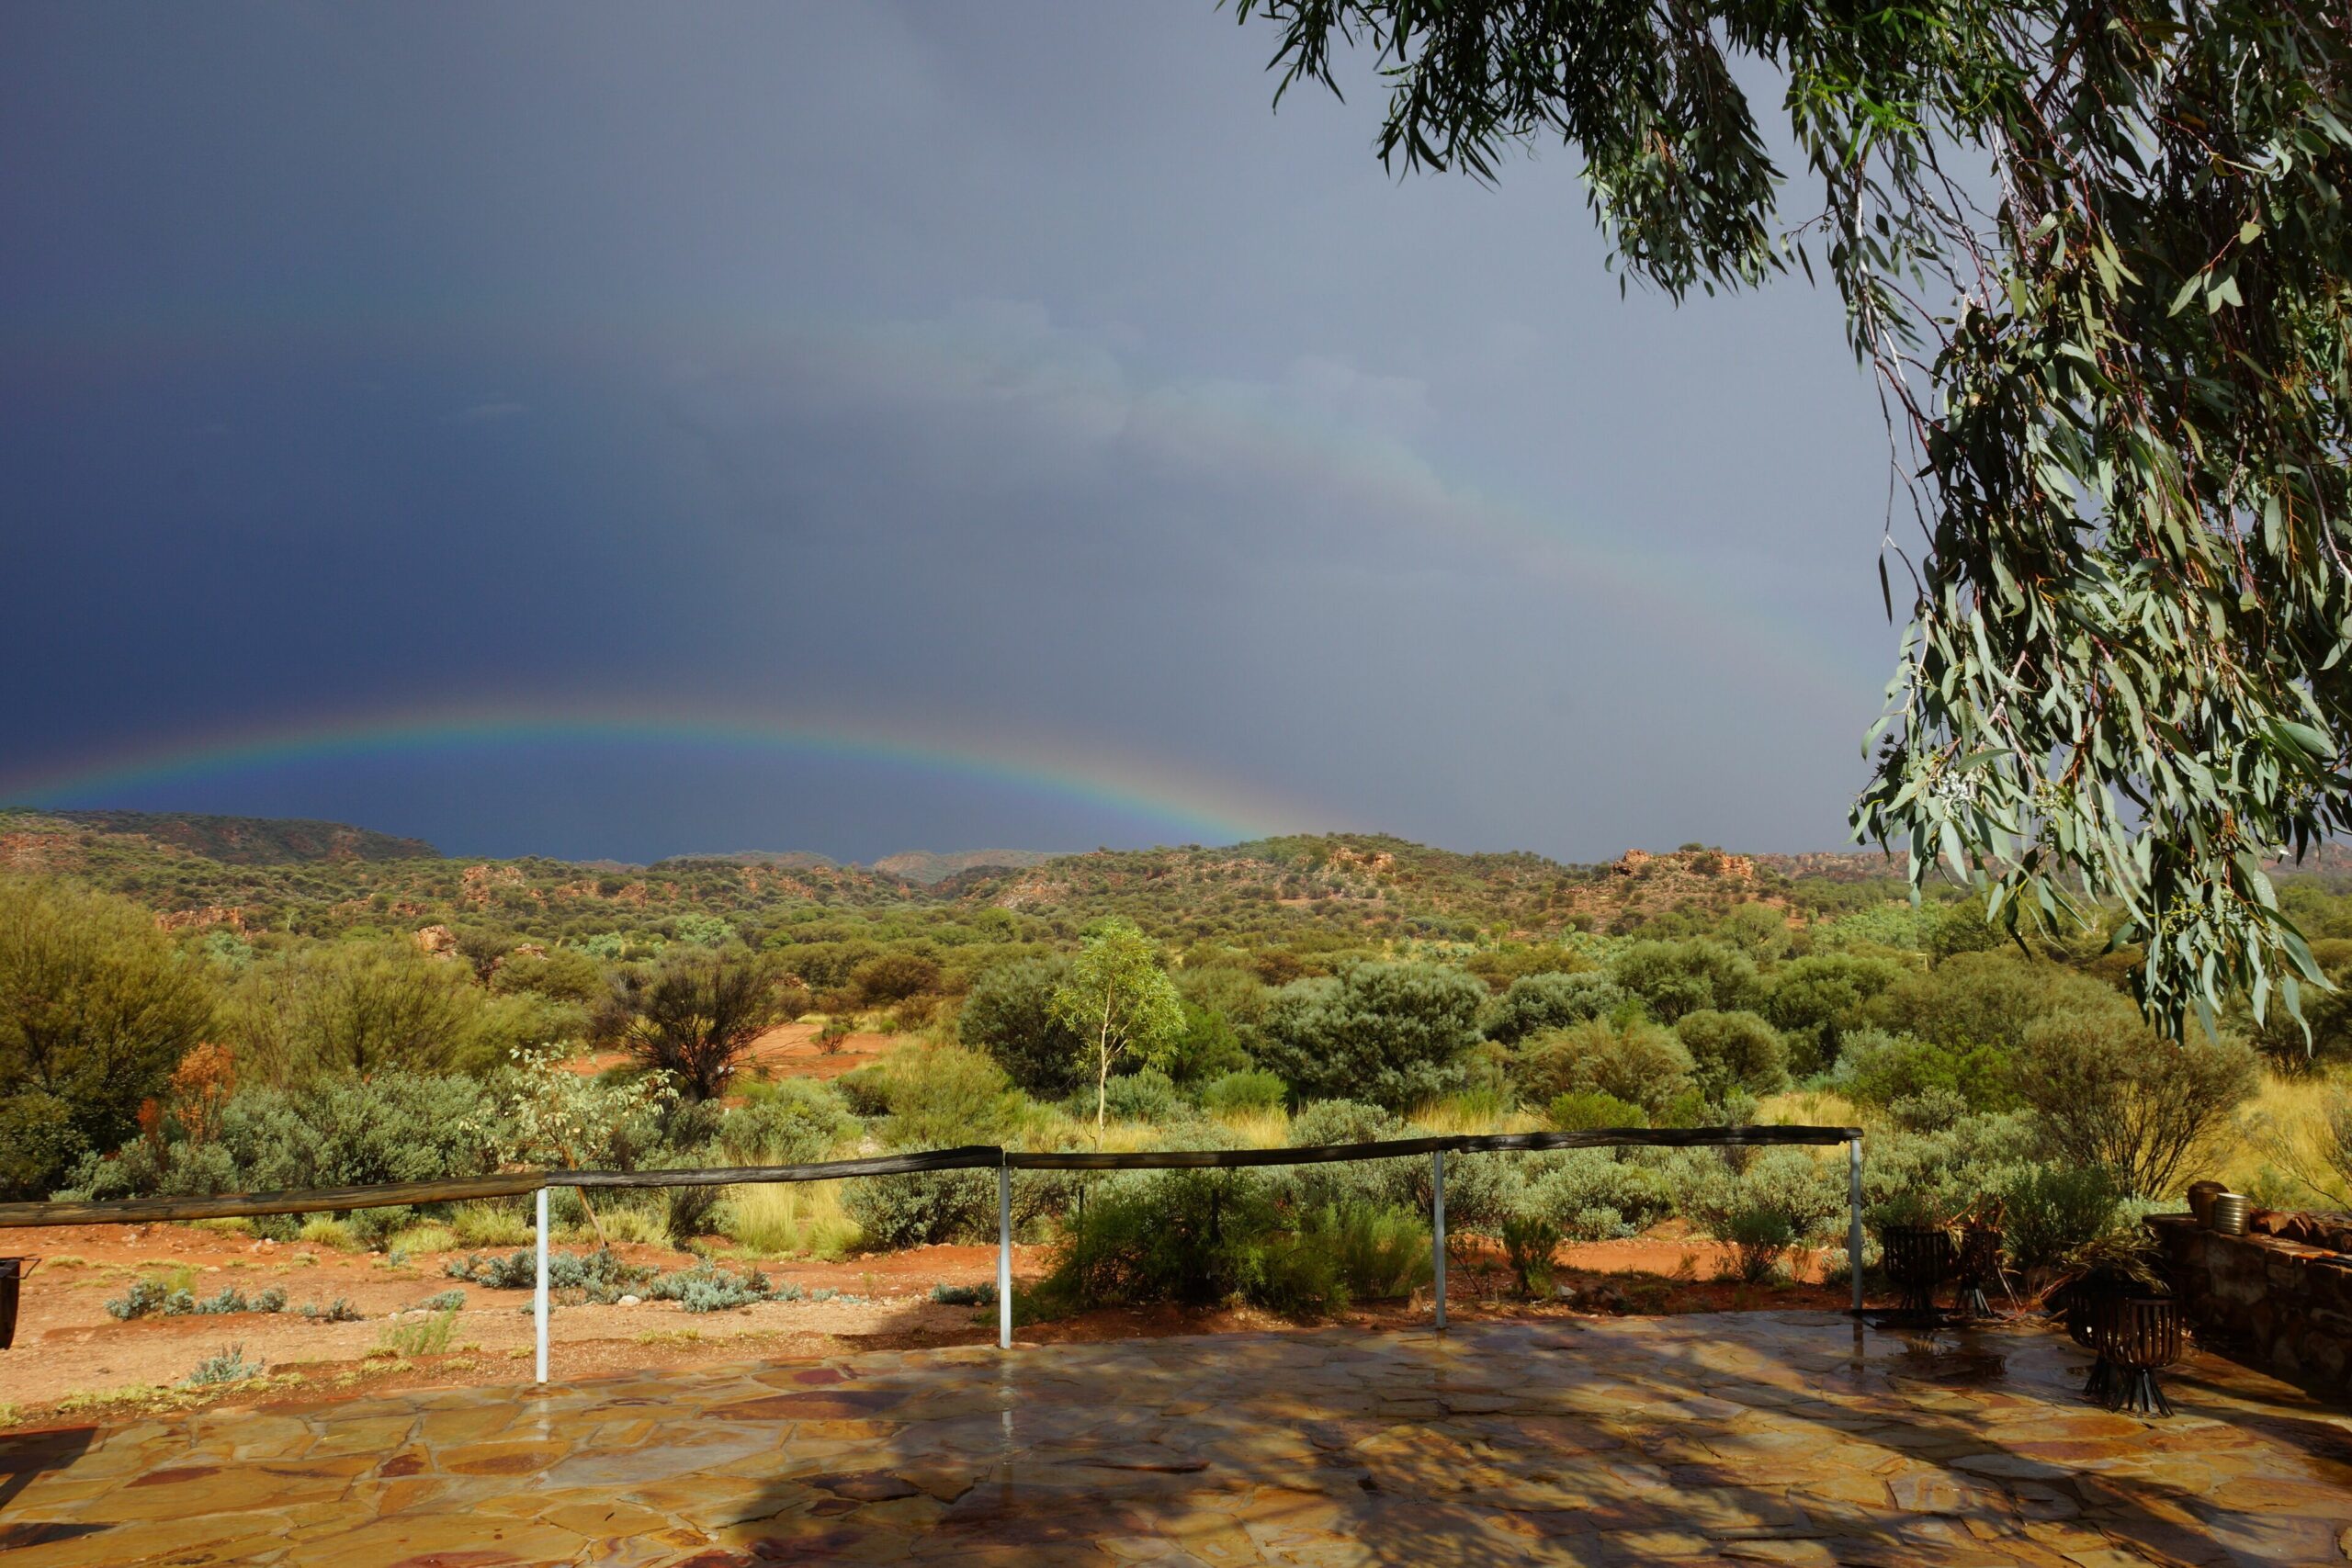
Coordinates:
1005 381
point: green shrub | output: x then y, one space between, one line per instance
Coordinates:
100 1009
2050 1210
943 1096
689 1213
1010 1015
1380 1253
1596 1195
1149 1095
1586 1112
1677 977
1390 1033
796 1121
1733 1050
332 1133
1536 1004
601 1276
1759 1236
1877 1070
1637 1062
1244 1092
964 1295
339 1310
368 1007
1530 1240
1190 1236
224 1367
925 1208
2106 1089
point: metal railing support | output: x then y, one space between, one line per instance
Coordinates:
540 1289
1437 1229
1004 1257
1854 1215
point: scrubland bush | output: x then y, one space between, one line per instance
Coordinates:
1582 1112
1536 1003
331 1133
796 1121
1010 1015
1675 977
1637 1061
1390 1033
1529 1240
2106 1090
366 1008
97 1011
2050 1209
1244 1091
1733 1050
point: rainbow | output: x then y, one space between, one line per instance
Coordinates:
1198 809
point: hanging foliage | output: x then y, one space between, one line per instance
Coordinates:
2097 257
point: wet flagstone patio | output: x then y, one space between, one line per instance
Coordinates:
1758 1438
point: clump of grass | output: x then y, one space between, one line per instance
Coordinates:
417 1336
325 1230
447 1301
964 1295
621 1222
431 1235
230 1224
224 1367
490 1223
1261 1128
1808 1107
68 1260
339 1310
795 1219
1474 1112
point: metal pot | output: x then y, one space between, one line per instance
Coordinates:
2229 1214
2200 1200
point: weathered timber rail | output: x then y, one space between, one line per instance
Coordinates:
972 1156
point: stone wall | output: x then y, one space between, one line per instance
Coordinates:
2265 1300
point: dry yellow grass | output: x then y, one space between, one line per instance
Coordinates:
777 1219
1258 1129
1815 1108
1451 1117
2279 1147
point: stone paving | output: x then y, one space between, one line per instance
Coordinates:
1743 1438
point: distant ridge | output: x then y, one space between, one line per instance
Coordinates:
781 859
237 840
927 868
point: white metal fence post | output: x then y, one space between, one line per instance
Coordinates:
539 1289
1854 1216
1437 1229
1004 1257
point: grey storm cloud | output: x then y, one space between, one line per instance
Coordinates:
1019 374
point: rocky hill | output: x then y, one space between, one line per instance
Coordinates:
928 867
231 840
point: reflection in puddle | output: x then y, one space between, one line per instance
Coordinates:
1963 1362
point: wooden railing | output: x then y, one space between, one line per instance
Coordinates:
975 1157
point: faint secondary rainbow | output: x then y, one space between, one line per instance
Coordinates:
1204 809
